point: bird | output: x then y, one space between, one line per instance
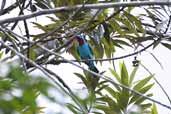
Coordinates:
85 52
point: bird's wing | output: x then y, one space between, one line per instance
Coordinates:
79 53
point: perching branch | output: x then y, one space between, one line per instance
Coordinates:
98 75
87 6
102 60
105 78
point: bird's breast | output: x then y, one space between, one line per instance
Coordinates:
84 51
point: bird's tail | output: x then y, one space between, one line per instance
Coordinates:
94 69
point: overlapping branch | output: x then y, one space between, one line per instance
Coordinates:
96 74
87 6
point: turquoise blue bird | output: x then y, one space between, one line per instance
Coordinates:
85 52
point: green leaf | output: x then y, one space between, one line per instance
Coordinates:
82 78
132 75
32 53
142 83
154 109
106 31
124 95
73 108
102 107
40 26
108 47
111 91
98 50
116 27
145 106
143 91
5 85
114 73
1 54
135 21
142 99
122 42
73 51
124 98
101 88
130 26
112 105
124 75
17 74
167 45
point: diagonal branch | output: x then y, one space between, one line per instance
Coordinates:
11 7
60 26
48 73
105 78
168 24
87 6
155 79
96 74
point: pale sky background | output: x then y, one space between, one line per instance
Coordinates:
163 75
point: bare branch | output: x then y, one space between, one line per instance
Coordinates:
96 74
168 24
11 7
155 79
87 6
59 27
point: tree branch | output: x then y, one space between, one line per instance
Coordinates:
168 25
94 73
155 79
48 73
11 7
87 6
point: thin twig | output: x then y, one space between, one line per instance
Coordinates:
26 30
60 26
162 88
87 6
103 60
98 75
107 79
103 77
11 7
168 24
44 70
107 19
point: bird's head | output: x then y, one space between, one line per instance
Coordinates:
80 39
